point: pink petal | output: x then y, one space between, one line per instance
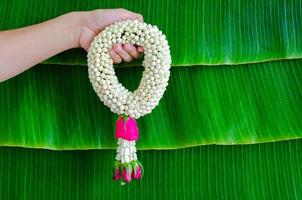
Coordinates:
117 174
126 176
131 130
138 173
119 132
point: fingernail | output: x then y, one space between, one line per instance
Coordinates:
140 49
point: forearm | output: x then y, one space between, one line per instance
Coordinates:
23 48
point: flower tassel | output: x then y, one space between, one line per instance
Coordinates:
126 166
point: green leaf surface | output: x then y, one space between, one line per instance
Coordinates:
250 172
198 31
55 107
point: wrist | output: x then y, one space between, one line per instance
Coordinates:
75 22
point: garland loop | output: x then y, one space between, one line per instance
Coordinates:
129 105
157 61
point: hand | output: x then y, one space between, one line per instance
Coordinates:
25 47
93 22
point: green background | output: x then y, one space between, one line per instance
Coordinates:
55 107
198 31
260 171
253 95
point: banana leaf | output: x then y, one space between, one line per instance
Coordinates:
198 31
252 172
55 107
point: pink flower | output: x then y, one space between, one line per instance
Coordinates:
116 175
126 173
126 128
119 130
116 171
137 172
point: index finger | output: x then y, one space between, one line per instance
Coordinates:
133 15
139 17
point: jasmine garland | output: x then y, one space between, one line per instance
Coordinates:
129 105
157 61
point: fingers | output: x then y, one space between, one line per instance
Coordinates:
126 14
125 52
115 57
140 49
131 50
118 48
139 17
98 19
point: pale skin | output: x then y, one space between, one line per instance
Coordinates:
23 48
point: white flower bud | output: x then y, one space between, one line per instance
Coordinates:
155 76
